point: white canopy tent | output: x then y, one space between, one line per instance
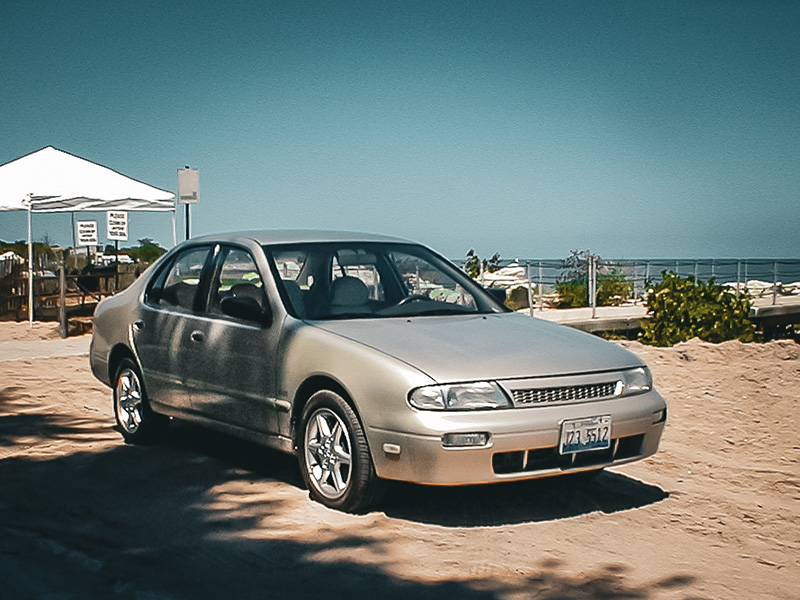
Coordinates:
50 180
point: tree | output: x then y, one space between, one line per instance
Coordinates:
147 252
475 265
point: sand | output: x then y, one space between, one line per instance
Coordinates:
714 514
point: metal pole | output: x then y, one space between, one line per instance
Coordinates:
30 267
174 227
116 266
593 284
774 283
540 289
188 228
738 277
530 288
62 297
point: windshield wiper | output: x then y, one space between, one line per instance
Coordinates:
441 311
350 315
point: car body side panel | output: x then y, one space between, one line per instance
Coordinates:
112 327
376 384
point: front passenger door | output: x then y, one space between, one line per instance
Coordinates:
233 373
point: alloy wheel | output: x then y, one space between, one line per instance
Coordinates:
129 405
328 453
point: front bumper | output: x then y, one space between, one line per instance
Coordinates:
523 442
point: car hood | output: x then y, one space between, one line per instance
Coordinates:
494 346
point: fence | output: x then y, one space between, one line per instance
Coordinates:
84 288
762 278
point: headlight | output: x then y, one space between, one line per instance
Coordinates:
636 381
463 396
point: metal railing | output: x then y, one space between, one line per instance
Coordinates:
761 278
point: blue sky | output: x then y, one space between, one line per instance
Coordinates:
631 128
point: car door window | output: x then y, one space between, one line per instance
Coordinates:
178 284
238 276
425 280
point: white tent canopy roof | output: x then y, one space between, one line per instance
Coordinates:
50 180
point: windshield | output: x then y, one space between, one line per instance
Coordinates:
373 280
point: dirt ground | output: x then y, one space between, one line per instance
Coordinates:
715 514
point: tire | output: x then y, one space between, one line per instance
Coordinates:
138 422
334 457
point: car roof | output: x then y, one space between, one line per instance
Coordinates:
297 236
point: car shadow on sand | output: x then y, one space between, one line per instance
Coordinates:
103 519
510 503
497 504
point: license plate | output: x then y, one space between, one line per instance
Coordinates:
581 435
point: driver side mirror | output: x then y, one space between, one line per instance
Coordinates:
498 294
247 309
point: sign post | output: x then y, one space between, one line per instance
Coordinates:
116 229
188 191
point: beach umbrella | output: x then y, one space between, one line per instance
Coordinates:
51 180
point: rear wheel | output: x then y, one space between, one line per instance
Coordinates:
134 416
334 456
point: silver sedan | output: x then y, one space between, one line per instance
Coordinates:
369 357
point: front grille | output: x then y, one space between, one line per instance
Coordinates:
548 459
573 393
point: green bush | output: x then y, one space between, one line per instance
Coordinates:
613 288
572 288
572 294
682 308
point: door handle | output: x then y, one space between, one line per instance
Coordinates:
198 336
138 325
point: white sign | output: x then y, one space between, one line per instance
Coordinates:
86 233
188 186
117 225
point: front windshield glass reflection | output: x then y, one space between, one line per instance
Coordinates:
373 280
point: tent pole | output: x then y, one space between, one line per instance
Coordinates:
30 266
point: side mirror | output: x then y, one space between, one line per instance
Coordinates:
247 309
498 294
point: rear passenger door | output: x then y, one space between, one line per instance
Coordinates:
162 334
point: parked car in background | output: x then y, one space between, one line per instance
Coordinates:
371 358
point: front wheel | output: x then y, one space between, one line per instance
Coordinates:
133 414
334 456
